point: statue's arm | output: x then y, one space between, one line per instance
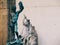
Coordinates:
21 7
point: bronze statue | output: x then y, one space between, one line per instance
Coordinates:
14 26
14 18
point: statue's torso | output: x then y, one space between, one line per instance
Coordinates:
14 17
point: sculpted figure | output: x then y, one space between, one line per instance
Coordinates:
14 18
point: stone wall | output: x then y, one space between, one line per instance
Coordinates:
3 22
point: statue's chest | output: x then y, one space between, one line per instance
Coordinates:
14 16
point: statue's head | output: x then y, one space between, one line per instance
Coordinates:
13 8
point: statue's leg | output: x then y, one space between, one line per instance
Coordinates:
16 30
17 34
12 30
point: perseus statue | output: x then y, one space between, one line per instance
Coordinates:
14 18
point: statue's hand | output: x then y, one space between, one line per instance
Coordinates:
21 5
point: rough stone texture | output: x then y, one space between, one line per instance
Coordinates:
3 22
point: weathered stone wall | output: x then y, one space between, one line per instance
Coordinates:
3 21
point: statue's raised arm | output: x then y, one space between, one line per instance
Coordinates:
21 7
